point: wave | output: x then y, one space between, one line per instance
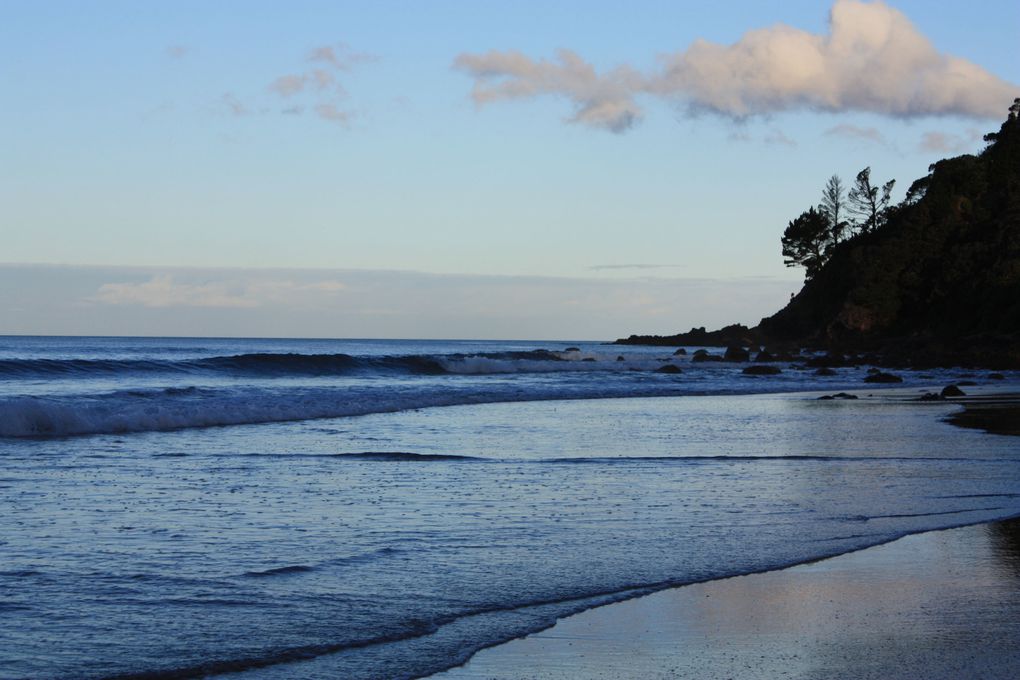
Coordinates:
269 365
260 364
280 571
174 408
403 457
179 408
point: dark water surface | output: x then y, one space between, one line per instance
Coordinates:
395 542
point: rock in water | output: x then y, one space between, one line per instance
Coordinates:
952 391
736 353
880 377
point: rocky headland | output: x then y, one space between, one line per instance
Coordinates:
935 283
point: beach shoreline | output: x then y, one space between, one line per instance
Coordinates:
937 604
656 635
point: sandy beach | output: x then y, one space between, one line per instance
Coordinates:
942 604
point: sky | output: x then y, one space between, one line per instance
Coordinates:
456 169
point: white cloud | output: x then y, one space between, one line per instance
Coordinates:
848 131
234 105
288 86
872 60
317 86
778 138
333 114
611 267
67 300
163 291
944 142
600 100
340 56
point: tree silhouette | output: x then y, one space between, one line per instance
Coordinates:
867 203
831 208
806 242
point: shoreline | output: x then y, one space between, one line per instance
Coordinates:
553 653
936 604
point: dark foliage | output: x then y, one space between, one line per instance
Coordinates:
806 242
941 278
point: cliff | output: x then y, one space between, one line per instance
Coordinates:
937 283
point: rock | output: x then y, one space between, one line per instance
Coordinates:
572 349
668 369
931 396
680 352
703 355
764 356
761 370
620 358
588 359
873 371
880 377
996 376
838 395
736 353
700 352
952 391
825 370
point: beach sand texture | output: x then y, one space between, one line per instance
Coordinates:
942 604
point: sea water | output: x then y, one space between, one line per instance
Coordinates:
344 508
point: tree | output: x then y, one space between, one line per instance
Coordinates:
867 203
831 208
806 242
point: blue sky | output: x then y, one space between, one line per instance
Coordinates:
160 135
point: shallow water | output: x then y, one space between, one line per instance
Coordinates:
393 544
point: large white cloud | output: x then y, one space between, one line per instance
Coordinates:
873 60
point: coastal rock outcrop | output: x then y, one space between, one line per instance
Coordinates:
935 283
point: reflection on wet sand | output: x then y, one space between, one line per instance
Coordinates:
1005 544
936 605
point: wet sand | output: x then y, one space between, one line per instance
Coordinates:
942 604
995 413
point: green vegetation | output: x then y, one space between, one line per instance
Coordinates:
810 239
937 274
934 280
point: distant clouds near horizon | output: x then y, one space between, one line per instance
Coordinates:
75 300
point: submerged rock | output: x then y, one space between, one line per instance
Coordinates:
880 377
680 352
827 361
952 391
825 370
736 353
838 395
668 369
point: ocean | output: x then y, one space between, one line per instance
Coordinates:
178 508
